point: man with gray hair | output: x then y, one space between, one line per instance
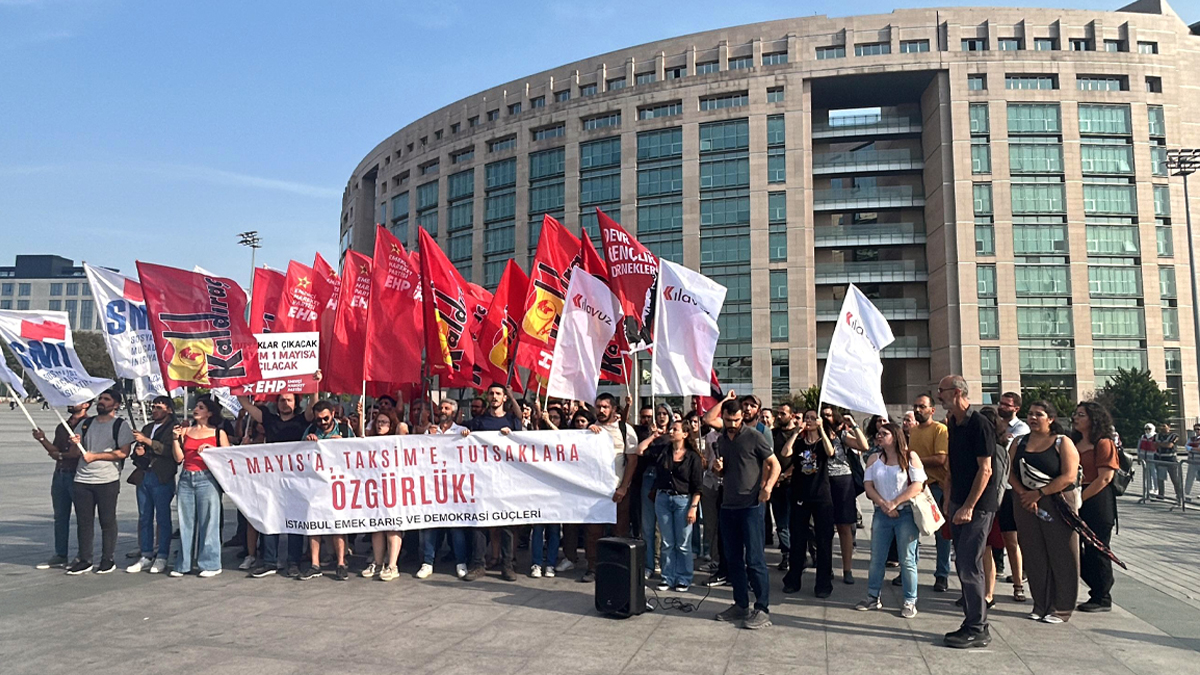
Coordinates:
970 505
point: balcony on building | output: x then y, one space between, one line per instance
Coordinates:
867 161
892 309
868 234
874 271
867 125
859 198
904 347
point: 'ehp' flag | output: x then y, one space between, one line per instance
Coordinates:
42 343
393 344
328 290
498 333
299 309
343 372
200 333
268 287
632 273
614 364
126 327
444 293
557 254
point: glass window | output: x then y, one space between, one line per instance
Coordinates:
981 156
830 53
602 153
601 121
776 131
1051 361
979 118
587 90
547 163
6 289
1170 321
1045 44
914 46
1040 239
669 179
427 196
778 281
779 326
645 78
660 110
1118 322
725 246
537 102
707 67
983 198
1008 44
1108 361
725 101
1174 359
774 94
977 82
1033 198
501 174
1030 158
989 361
458 247
1042 280
1034 118
741 62
56 289
599 189
1166 283
1081 45
459 185
501 144
501 206
989 323
660 144
493 115
1102 82
775 59
1112 240
1114 281
545 198
1109 199
1104 119
721 136
428 168
675 73
22 305
777 207
985 238
873 49
780 374
499 239
1115 46
986 281
723 173
6 304
460 215
549 132
1162 236
1153 84
1043 322
724 211
1031 82
666 217
1147 47
776 165
562 96
1158 121
777 242
974 44
615 84
1106 159
1162 200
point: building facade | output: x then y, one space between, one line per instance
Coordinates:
49 282
994 179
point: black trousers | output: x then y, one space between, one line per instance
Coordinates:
970 541
1100 514
479 546
88 499
822 528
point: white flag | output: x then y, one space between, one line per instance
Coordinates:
41 341
853 370
126 330
146 388
7 376
590 316
685 331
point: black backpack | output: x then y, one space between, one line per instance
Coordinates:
116 432
1123 476
1001 469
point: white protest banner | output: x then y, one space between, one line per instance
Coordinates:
41 341
288 361
123 319
415 482
853 370
589 319
685 331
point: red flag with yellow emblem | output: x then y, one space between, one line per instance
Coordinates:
447 307
557 253
498 333
299 309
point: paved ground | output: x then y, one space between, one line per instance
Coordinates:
123 623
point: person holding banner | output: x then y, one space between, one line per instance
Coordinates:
498 416
431 539
325 426
847 438
105 441
198 492
679 477
62 484
155 481
385 424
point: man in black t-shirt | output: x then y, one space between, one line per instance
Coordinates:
495 417
285 425
970 506
785 425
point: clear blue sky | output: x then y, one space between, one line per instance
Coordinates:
159 130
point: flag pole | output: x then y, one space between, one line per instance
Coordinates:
362 410
660 329
64 423
22 405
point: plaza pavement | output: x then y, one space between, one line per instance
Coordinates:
137 624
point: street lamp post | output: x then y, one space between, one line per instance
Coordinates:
1184 162
253 242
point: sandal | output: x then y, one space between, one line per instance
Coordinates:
1018 593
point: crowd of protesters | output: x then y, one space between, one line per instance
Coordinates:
705 492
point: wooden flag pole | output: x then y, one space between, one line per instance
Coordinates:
21 403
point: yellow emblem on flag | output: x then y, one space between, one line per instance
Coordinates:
189 360
498 355
541 315
443 340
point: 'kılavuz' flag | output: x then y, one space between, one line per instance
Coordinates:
588 323
393 344
853 369
343 373
557 255
200 331
127 333
685 331
264 300
632 273
498 333
615 363
41 341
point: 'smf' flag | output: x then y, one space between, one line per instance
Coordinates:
393 345
343 372
853 369
264 301
7 376
199 326
41 341
685 331
126 327
557 254
589 321
498 333
632 271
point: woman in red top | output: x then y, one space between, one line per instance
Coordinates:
198 495
1092 433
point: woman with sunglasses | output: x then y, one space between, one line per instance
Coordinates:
811 501
199 495
848 443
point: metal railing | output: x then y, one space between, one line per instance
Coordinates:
882 197
1158 473
880 160
866 124
880 270
891 308
879 233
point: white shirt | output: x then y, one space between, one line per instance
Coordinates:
454 429
889 480
1018 428
627 446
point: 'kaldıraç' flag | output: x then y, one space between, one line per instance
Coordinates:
41 341
200 331
7 376
615 363
853 369
479 299
127 333
498 333
328 291
589 319
299 309
393 344
447 313
557 254
264 301
632 272
343 371
685 331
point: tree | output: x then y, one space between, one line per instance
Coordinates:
93 354
1056 396
809 398
1133 398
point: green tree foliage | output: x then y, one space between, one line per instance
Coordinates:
1059 398
1133 398
93 354
809 398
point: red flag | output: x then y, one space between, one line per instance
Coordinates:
557 253
479 300
447 314
632 273
48 330
498 333
327 287
614 364
343 373
268 286
199 331
299 309
393 347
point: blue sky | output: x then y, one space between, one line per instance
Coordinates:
159 130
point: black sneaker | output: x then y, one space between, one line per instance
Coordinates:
508 574
823 593
1093 606
55 562
789 588
312 572
941 584
79 567
757 619
965 638
716 580
848 577
293 571
260 571
106 566
898 581
342 573
587 577
733 613
475 574
784 565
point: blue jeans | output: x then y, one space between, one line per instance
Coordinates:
648 518
551 535
431 541
942 544
199 520
742 537
672 511
154 503
904 529
62 489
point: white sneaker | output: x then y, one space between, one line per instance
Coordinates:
142 564
1034 616
247 563
460 570
425 572
564 565
371 570
175 574
1050 618
548 572
159 566
535 572
208 574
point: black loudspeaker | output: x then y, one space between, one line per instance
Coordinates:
620 590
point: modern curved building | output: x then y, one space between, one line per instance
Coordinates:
994 178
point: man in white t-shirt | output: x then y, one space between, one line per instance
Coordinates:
431 539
